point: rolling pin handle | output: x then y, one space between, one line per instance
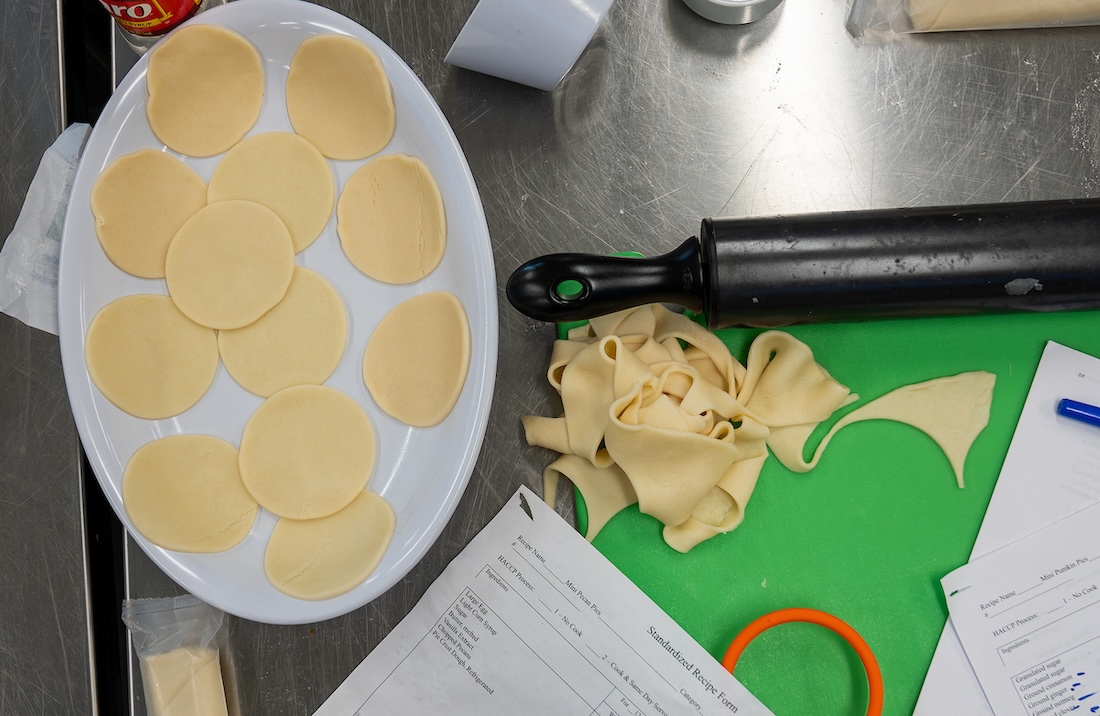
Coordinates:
573 286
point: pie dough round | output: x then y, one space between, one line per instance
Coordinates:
148 358
417 357
298 342
339 98
135 234
184 493
286 174
322 558
206 87
307 452
391 219
230 264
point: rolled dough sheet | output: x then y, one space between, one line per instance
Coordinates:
339 98
319 559
148 358
935 15
417 357
298 342
230 264
184 492
307 452
206 88
283 172
135 234
391 219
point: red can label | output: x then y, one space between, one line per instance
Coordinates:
150 17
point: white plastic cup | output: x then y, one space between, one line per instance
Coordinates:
532 42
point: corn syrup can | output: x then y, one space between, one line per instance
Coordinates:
143 22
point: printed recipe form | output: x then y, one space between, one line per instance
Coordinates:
531 619
1028 616
1051 471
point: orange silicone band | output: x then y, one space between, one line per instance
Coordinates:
813 616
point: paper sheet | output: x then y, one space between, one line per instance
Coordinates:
531 619
1052 470
1028 616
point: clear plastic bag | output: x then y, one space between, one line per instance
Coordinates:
175 641
29 257
884 18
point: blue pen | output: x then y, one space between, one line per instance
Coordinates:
1079 411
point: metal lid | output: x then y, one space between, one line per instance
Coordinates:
732 12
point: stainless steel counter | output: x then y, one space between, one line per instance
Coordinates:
44 647
666 119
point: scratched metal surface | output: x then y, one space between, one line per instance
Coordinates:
668 119
43 634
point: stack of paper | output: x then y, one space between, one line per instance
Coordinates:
1028 616
1052 471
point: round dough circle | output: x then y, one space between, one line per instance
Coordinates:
322 558
307 452
206 87
300 341
339 98
283 172
184 493
148 358
391 219
135 234
416 359
230 264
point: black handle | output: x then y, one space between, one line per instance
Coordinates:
571 287
1039 256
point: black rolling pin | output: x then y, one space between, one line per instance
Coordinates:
775 271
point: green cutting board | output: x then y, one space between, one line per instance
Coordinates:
868 533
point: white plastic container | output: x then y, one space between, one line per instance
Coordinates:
532 42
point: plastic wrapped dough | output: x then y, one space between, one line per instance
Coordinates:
883 18
180 666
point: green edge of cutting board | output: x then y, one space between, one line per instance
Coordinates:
868 533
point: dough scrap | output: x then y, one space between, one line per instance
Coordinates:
936 15
184 493
657 411
325 557
391 220
417 357
300 341
649 397
951 410
148 358
673 467
230 264
283 172
722 510
206 88
339 98
184 682
606 490
135 234
307 452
